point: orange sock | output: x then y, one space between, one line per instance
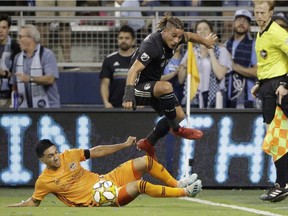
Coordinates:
123 197
159 172
145 187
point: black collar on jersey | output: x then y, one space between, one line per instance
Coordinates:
267 27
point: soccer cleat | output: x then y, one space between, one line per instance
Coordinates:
186 182
275 194
194 189
188 133
144 145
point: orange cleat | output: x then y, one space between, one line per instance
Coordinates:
144 145
188 133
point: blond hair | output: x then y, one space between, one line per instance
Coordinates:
271 3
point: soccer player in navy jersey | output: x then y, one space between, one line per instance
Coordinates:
143 85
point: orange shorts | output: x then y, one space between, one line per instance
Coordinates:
123 174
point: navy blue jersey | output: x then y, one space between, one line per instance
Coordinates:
155 55
115 67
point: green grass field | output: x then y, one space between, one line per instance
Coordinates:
209 202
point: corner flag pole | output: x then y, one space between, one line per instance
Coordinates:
188 101
188 80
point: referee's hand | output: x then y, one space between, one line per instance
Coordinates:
281 92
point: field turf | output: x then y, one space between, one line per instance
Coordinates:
209 202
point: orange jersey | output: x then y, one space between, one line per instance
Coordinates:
70 183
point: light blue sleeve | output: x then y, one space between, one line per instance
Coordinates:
253 56
49 63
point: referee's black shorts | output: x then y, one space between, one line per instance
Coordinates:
269 98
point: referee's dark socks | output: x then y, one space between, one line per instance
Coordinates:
281 170
161 129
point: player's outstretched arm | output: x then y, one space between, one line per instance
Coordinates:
28 203
103 150
209 41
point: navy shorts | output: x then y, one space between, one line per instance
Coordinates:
144 96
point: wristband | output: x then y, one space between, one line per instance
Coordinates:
129 95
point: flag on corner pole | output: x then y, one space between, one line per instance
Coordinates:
192 80
193 70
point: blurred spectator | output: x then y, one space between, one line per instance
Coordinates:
92 3
237 3
185 3
150 3
212 64
9 4
29 3
170 73
115 68
243 75
227 26
8 49
281 19
64 26
35 72
148 22
281 3
136 24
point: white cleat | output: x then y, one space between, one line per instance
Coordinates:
186 182
194 189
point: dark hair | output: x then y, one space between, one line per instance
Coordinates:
204 21
7 18
42 146
169 20
126 28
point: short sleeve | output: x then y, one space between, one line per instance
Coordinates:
147 52
225 58
49 63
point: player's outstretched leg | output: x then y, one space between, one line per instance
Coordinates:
153 190
188 133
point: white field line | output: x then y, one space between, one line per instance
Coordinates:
206 202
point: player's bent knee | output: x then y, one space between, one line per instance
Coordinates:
163 87
140 164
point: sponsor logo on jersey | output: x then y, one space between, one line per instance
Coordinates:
72 166
116 63
263 54
144 57
147 86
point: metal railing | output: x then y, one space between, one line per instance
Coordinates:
94 37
